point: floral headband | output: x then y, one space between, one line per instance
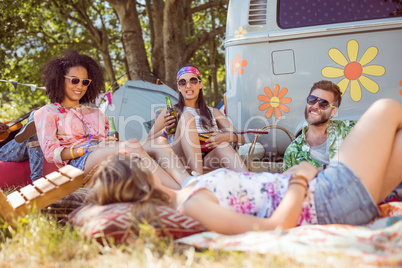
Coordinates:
188 69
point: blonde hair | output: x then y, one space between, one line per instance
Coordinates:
122 178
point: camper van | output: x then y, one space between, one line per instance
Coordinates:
277 49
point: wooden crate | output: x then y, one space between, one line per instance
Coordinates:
41 193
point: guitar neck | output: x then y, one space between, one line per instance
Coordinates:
19 119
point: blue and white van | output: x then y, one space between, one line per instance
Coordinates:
276 50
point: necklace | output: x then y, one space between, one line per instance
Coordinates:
72 107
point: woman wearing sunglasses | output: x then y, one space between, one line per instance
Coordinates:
320 140
228 202
70 132
196 117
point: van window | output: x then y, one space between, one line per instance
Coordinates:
318 12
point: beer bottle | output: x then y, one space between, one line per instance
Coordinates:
171 111
112 128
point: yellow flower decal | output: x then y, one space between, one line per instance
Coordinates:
238 64
353 70
274 101
240 33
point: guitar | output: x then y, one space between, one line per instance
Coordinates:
12 126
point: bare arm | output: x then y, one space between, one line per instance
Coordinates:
66 152
160 123
204 207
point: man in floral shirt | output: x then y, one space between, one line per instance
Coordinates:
320 140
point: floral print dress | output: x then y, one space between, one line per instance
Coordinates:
256 194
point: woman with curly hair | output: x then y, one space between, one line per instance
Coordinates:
196 117
71 132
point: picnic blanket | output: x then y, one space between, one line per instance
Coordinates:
378 243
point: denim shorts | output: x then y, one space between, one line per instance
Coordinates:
80 161
341 198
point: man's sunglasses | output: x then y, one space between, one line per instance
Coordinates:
193 81
323 104
75 80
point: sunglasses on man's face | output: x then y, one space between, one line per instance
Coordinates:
322 103
193 81
75 80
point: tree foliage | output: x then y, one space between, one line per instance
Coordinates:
147 39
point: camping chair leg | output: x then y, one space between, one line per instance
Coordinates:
252 147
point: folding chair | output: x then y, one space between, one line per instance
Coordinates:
250 154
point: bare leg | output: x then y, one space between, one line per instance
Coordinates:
393 172
160 150
135 149
368 148
187 144
225 156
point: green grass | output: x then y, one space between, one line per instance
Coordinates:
39 241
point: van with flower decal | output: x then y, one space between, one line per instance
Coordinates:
277 49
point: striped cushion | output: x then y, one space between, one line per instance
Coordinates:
116 221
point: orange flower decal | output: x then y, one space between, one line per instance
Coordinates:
238 64
400 83
274 101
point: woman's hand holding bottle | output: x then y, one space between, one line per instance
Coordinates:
171 112
170 121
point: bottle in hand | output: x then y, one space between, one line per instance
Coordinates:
112 129
171 111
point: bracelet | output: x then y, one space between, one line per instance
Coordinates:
297 176
299 183
80 151
71 150
86 147
165 133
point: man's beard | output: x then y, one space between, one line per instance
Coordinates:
323 119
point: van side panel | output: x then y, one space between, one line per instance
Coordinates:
270 70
